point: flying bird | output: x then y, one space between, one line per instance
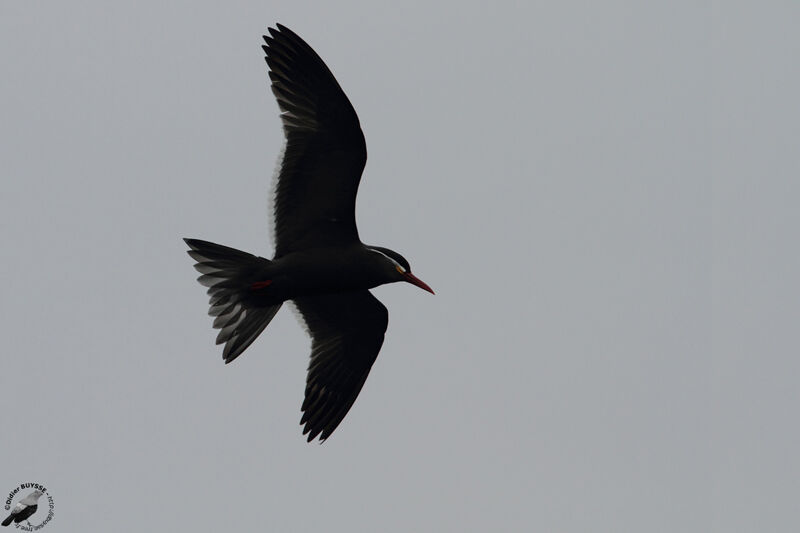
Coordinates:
320 263
24 508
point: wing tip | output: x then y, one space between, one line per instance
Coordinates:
278 31
313 433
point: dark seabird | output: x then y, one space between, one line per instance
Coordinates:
320 264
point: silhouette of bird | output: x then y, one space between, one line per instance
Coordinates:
320 264
24 508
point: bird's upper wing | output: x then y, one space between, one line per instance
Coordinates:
21 507
325 150
347 333
27 512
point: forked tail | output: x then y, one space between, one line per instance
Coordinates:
232 276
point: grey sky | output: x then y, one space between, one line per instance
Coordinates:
602 195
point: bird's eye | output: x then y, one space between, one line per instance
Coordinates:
400 269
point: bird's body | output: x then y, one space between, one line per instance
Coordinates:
24 509
320 271
320 262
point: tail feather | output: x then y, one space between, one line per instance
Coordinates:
229 273
8 520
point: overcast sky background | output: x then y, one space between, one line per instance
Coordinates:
603 195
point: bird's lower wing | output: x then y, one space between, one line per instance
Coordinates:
347 333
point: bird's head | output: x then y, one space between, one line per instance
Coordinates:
396 268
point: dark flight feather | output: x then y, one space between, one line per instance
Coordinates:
347 333
325 150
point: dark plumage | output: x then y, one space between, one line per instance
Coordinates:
319 263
